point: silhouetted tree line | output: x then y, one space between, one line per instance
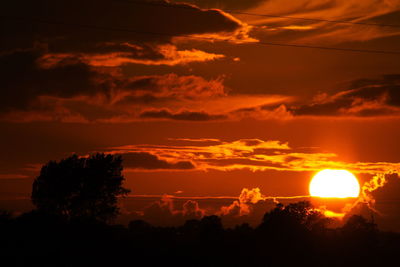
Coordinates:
70 227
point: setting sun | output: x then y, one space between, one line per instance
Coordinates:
334 184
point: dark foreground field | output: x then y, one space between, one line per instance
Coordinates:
287 236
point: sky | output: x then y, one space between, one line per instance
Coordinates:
216 106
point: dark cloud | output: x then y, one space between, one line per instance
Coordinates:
22 80
371 89
387 204
391 18
182 116
364 98
121 26
322 109
172 86
382 204
142 160
228 4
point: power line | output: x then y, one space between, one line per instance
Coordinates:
263 15
317 20
102 28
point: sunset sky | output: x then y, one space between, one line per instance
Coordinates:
205 100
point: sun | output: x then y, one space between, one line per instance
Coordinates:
334 184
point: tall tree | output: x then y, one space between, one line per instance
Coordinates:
80 187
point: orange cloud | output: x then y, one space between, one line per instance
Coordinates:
167 54
250 206
79 92
242 206
164 212
255 155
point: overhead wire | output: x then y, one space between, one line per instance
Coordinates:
282 44
232 11
103 28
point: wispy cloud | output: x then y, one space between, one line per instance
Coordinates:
13 176
323 32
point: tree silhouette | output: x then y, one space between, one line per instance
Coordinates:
360 231
293 216
358 224
290 228
78 187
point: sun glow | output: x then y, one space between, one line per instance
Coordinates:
334 184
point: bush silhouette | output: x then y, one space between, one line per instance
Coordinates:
80 188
